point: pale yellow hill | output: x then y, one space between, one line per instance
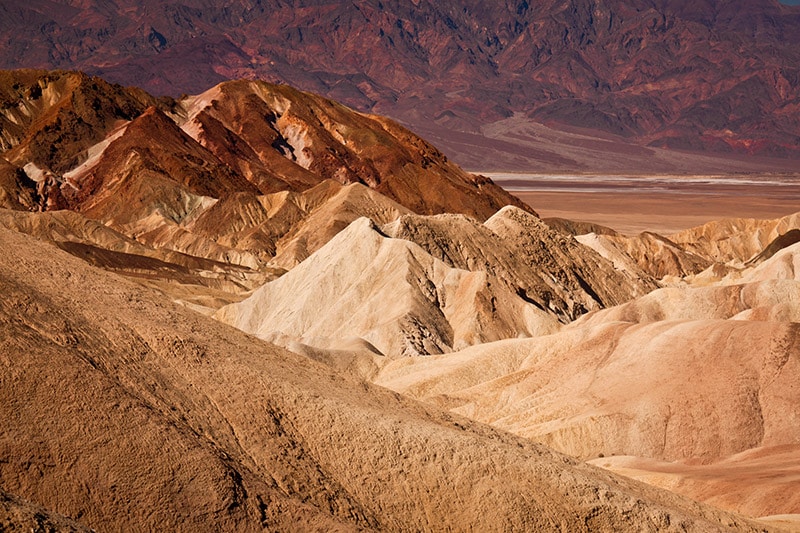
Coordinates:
696 375
389 292
736 240
755 482
702 255
431 284
127 412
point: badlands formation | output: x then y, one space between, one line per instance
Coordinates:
257 309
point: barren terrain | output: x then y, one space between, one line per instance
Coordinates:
659 203
175 421
578 85
139 233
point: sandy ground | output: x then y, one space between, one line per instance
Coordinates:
660 204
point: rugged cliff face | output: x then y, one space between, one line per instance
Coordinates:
710 76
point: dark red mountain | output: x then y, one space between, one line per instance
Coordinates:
512 78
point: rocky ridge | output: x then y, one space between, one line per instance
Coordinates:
425 285
531 80
246 174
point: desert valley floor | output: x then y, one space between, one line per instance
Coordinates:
661 204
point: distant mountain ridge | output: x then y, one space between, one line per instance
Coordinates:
713 76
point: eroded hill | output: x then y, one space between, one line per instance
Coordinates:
124 411
353 243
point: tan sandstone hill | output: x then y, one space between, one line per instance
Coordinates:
653 254
519 251
124 411
757 482
431 284
699 389
737 240
695 375
701 255
389 292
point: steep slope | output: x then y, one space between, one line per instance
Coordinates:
125 411
49 119
285 139
717 76
17 191
389 292
17 515
720 250
424 285
784 264
149 163
695 376
520 252
757 482
735 240
247 174
349 203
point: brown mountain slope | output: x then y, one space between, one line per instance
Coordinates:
17 191
294 136
717 76
246 174
151 176
17 515
148 164
125 411
51 118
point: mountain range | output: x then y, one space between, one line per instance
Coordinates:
206 298
638 85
